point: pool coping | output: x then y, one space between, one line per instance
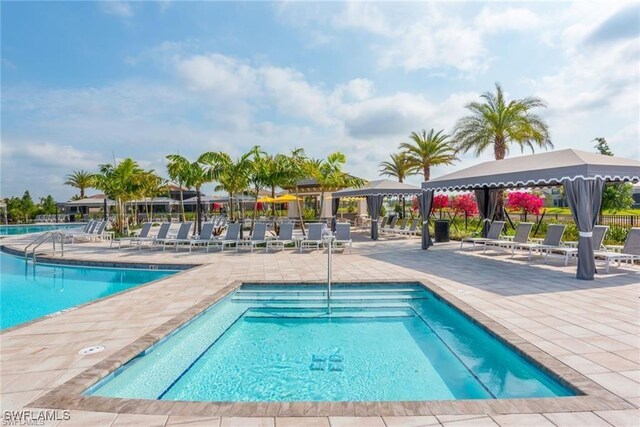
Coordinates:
70 395
180 269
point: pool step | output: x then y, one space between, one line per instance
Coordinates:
336 312
322 304
321 296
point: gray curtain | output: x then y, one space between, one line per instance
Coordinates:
374 204
425 201
335 203
486 200
584 197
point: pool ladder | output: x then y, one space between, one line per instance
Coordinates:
52 236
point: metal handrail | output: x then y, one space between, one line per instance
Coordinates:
49 235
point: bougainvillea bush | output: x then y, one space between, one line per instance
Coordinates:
440 201
464 204
524 202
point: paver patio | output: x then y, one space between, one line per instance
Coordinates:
592 327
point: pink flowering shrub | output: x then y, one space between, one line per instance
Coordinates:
464 204
524 202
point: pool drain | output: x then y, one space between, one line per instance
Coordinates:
92 349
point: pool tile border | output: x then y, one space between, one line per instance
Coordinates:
70 394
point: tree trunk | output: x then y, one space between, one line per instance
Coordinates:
426 172
273 196
230 206
300 216
198 227
321 204
184 217
255 210
500 151
82 193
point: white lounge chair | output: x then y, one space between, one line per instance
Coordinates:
257 238
391 226
401 228
314 237
492 234
343 237
205 236
630 252
413 228
180 238
522 236
163 232
285 237
552 240
144 232
232 237
599 231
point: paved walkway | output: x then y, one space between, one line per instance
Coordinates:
593 327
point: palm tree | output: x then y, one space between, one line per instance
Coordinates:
178 170
198 174
400 166
233 176
501 123
121 182
152 186
80 179
429 149
329 175
297 170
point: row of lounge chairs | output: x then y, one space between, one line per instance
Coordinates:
552 243
92 231
402 228
207 239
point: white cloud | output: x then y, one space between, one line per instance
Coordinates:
363 16
490 20
120 9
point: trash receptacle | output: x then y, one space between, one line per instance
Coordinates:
441 230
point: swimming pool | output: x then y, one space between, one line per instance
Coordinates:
392 342
29 291
11 230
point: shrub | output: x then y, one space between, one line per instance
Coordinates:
464 204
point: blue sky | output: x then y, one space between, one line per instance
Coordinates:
84 82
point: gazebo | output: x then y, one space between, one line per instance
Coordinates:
582 175
375 192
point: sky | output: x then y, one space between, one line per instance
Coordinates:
84 83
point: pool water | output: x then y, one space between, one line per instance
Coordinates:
11 230
380 343
29 291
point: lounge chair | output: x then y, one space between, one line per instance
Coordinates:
401 227
232 236
205 236
285 237
630 252
314 237
257 238
521 236
552 240
181 238
413 228
382 222
343 237
391 226
162 234
144 232
493 234
599 231
94 232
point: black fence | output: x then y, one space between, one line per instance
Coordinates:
626 221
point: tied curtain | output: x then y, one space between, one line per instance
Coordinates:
584 197
425 201
335 203
486 200
374 204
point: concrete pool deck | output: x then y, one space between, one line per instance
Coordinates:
590 327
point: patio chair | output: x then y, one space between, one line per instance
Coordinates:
314 237
382 222
285 237
232 236
599 231
522 236
401 227
206 235
343 237
144 232
413 228
162 234
391 226
257 238
181 237
551 241
493 234
630 252
96 230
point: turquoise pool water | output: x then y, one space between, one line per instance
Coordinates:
28 292
10 230
380 343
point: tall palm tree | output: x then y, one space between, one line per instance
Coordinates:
151 186
297 170
329 174
198 175
429 149
178 170
501 123
233 176
400 166
81 180
121 182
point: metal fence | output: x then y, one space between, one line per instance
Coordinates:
626 221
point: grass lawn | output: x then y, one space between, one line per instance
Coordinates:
566 211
